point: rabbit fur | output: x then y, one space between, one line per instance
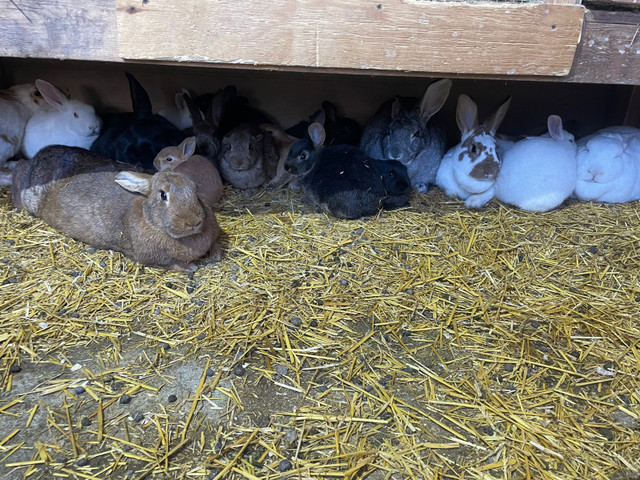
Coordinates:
609 165
136 137
17 104
248 157
469 170
61 122
200 170
539 173
404 134
55 162
344 181
152 219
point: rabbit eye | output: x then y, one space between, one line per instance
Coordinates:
163 195
474 149
170 159
303 156
37 93
75 114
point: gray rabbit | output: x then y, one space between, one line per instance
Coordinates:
400 131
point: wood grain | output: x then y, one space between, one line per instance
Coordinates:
392 35
64 29
609 51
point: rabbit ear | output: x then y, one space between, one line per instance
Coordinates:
434 98
51 94
317 134
139 98
216 110
188 147
135 182
194 111
319 116
396 107
330 110
492 123
466 115
554 124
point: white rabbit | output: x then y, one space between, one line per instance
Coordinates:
469 170
539 173
609 165
63 122
179 114
17 105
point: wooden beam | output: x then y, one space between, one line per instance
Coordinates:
609 51
65 29
369 35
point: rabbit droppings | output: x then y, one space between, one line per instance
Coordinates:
468 170
152 219
539 173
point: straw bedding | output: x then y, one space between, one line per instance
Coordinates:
428 342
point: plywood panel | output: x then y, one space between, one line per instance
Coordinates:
65 29
391 35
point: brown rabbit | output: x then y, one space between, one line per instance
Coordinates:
153 219
199 169
284 141
248 157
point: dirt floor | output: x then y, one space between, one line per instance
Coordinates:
430 342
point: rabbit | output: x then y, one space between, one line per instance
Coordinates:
152 219
341 179
468 170
56 162
178 114
200 170
205 128
17 104
609 165
284 142
339 130
136 137
62 122
399 133
539 173
248 157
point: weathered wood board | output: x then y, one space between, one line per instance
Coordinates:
610 49
65 29
380 35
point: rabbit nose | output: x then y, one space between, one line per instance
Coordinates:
485 170
194 224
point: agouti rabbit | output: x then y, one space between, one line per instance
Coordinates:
344 181
199 169
469 170
404 134
248 157
153 219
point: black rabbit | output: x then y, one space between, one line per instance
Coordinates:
339 130
136 137
343 180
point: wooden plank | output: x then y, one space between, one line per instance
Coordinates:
64 29
609 51
392 35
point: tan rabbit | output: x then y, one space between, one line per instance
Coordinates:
199 169
152 219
